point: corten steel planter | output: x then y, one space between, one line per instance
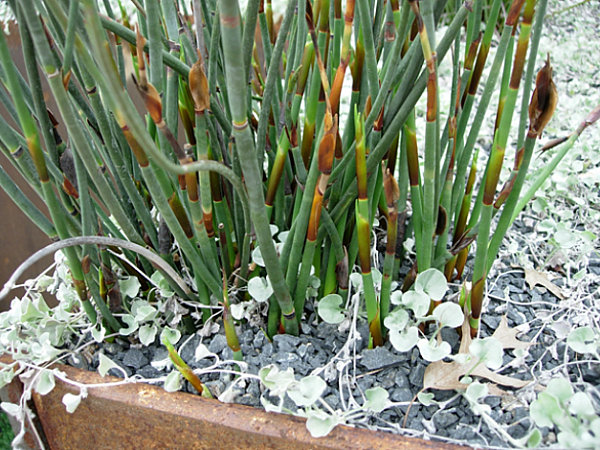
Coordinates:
142 416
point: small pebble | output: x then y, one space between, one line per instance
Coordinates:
217 344
286 342
377 358
401 395
416 375
401 380
134 358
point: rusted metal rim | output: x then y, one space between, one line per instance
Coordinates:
144 416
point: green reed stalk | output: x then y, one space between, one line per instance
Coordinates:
370 57
397 120
429 205
415 186
138 133
460 228
540 14
363 234
288 136
302 217
309 130
26 205
331 278
76 131
464 152
541 108
392 195
496 160
116 155
228 324
325 162
324 158
230 32
248 36
446 194
272 82
336 85
14 149
186 370
338 32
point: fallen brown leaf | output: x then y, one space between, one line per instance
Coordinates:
535 278
446 376
508 336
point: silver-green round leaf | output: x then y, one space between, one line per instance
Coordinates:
432 351
475 391
170 334
581 405
105 364
396 320
130 286
561 389
330 310
396 298
418 302
377 399
147 334
173 381
257 257
433 283
320 424
583 340
545 410
307 391
71 402
276 381
449 314
405 340
426 398
45 382
260 289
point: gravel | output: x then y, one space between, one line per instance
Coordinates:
401 374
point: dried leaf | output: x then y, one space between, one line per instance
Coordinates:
199 86
508 336
140 43
483 372
543 100
391 190
446 376
327 145
153 102
535 278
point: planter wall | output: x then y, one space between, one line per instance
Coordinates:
145 416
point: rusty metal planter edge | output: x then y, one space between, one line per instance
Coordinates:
140 415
